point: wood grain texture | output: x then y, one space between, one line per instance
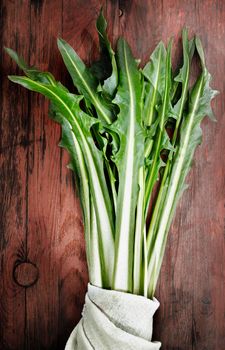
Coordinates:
41 220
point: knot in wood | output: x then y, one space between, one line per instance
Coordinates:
120 13
26 274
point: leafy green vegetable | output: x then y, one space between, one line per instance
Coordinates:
128 160
116 132
176 112
190 136
106 67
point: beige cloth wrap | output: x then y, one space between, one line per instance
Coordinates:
114 320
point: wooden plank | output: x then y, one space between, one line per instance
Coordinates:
41 215
44 186
13 180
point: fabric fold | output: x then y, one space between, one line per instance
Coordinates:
114 320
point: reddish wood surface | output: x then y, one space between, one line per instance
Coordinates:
40 213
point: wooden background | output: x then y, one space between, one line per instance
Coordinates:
43 273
